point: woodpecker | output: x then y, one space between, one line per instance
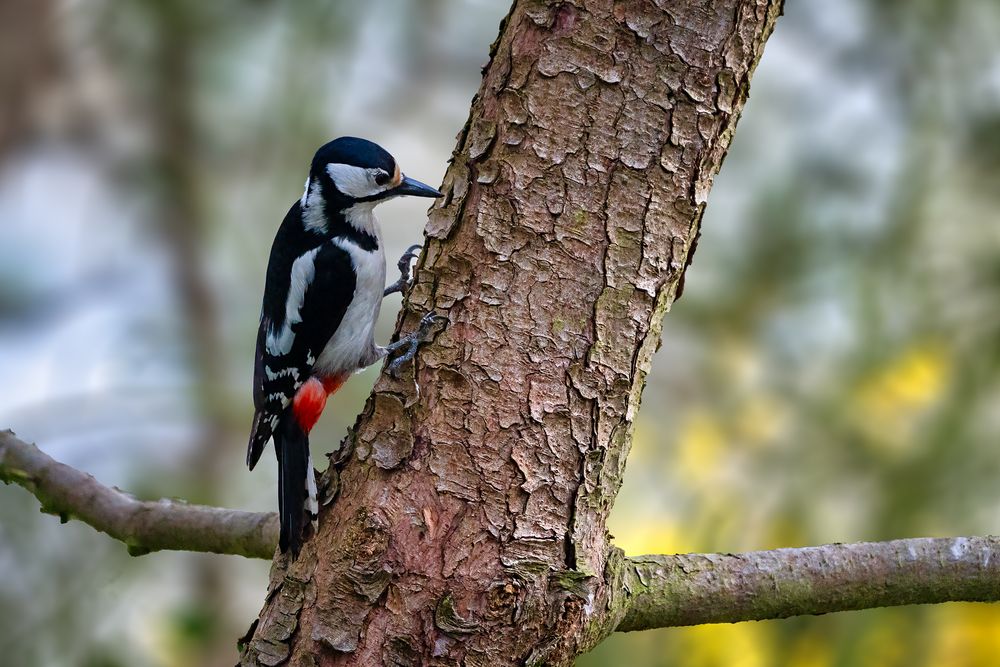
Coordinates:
323 290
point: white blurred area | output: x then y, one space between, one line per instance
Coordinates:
86 346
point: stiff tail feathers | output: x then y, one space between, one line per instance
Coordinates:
260 433
296 483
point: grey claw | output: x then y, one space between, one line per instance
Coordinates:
412 341
394 367
404 271
408 256
427 321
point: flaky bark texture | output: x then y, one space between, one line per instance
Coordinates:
469 525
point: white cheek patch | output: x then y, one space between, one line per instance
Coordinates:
355 182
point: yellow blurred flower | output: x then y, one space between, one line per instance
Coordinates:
659 534
966 635
760 420
884 644
742 645
810 649
894 396
740 360
701 446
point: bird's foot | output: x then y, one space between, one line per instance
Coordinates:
410 342
404 271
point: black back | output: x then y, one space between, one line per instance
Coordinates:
323 306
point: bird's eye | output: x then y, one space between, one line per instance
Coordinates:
381 178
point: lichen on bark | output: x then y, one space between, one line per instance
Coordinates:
690 589
470 525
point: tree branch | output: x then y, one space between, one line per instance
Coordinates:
143 526
657 591
691 589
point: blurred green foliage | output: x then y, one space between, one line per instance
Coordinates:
832 372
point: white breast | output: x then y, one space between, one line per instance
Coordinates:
355 337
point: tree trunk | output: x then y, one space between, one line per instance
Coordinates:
470 500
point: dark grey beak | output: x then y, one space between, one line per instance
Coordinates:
414 188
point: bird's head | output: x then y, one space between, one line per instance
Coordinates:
356 170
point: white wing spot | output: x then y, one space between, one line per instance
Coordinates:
291 371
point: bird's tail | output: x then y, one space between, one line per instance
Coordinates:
296 482
260 433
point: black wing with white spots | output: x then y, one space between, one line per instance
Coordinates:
310 283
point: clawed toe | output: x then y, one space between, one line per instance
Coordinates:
410 342
427 322
404 270
396 364
408 256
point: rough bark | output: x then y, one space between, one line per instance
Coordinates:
470 520
143 526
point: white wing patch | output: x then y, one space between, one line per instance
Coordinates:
303 272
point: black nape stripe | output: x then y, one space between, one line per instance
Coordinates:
339 227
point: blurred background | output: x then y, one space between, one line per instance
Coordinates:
832 372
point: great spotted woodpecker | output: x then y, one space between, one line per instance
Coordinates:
324 286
